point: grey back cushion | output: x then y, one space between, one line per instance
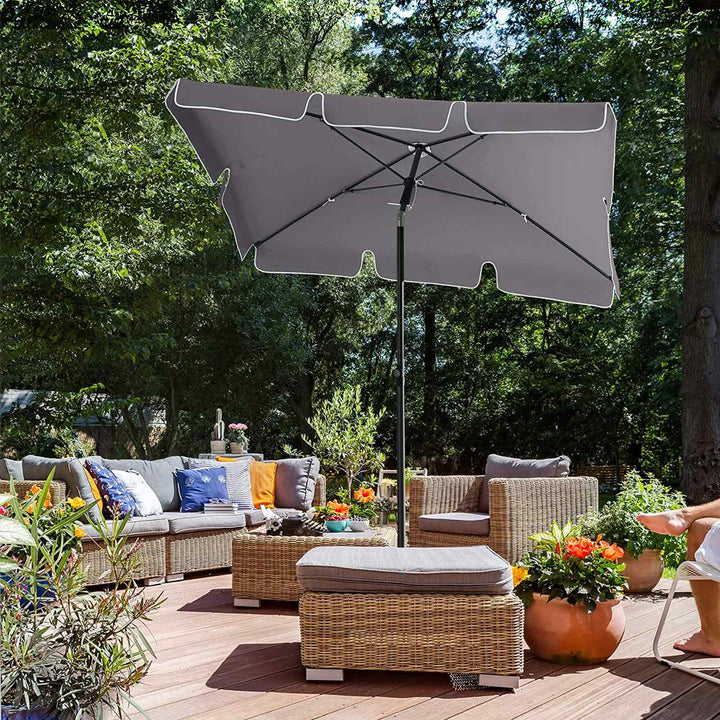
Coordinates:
11 467
68 470
295 480
238 479
159 475
499 466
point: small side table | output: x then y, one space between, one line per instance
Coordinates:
211 456
263 566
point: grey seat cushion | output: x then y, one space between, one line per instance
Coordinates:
187 522
68 470
136 527
159 476
462 571
10 467
499 466
459 523
285 512
295 481
238 478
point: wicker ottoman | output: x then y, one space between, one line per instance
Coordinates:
263 566
446 610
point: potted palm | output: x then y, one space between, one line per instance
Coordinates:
571 587
65 652
645 552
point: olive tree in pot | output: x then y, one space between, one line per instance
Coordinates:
66 652
645 552
344 436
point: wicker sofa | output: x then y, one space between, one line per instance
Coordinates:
519 507
165 551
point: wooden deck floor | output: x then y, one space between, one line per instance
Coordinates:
218 662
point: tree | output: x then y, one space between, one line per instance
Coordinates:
701 297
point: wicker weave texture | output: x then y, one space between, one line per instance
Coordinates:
320 491
264 566
413 632
519 507
150 553
22 487
207 550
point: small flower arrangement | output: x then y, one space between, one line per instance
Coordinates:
364 506
576 569
236 433
333 510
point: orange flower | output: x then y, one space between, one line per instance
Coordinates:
612 552
35 489
339 508
365 495
519 574
79 532
579 547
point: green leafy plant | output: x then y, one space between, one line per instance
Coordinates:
617 524
65 650
344 439
576 569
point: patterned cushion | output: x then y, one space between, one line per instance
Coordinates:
116 499
146 501
200 486
238 479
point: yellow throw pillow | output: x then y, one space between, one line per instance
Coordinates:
221 458
94 490
262 483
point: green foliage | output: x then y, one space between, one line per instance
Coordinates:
344 436
586 578
617 524
61 648
117 265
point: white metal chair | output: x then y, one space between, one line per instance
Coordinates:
688 570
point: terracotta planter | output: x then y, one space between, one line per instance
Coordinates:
567 634
643 573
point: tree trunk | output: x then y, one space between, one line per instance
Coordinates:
701 296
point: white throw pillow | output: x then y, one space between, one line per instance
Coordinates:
146 501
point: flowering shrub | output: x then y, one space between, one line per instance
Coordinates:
236 433
364 505
334 510
576 569
63 650
616 521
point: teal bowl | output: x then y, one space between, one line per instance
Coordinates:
336 525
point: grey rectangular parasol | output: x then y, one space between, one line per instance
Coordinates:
312 181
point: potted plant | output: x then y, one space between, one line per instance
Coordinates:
334 515
65 652
344 436
571 587
237 438
362 511
645 552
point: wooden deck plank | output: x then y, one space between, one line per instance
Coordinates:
218 661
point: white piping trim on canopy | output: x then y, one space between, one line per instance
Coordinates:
243 254
321 95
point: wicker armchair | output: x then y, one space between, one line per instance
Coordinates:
519 507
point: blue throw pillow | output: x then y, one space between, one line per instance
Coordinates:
116 499
201 485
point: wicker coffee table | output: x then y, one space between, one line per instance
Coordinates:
263 566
